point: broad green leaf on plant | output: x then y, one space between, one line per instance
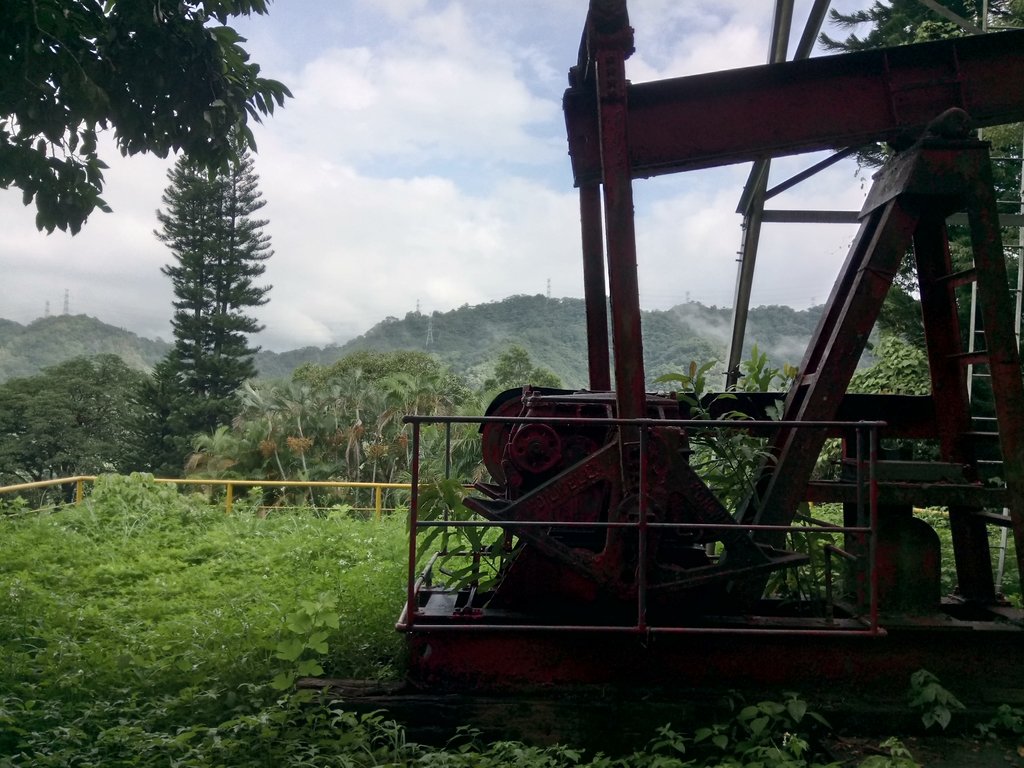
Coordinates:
282 681
308 668
797 709
935 703
290 649
317 642
299 622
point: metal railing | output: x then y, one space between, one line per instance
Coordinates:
867 505
79 482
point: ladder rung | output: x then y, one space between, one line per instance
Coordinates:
993 518
971 358
963 277
976 433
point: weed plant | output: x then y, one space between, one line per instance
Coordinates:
143 610
147 628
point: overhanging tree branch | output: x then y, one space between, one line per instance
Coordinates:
164 77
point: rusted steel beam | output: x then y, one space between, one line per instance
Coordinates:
598 358
781 109
952 404
611 39
968 497
994 302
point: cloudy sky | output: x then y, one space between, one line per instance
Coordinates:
423 163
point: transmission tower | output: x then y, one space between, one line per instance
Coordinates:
430 330
67 302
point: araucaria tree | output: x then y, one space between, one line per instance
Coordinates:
220 250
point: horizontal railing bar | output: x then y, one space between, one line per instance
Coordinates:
427 627
283 483
216 481
702 423
635 524
45 483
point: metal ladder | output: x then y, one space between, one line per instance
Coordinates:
985 424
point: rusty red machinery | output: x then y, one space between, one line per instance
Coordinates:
600 555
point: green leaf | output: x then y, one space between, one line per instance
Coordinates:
308 668
290 650
758 724
796 709
282 681
318 642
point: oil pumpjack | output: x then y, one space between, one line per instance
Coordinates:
616 563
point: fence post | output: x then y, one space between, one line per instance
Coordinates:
79 490
378 502
229 497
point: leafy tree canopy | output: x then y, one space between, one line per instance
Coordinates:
373 364
379 367
515 369
165 76
79 417
899 22
901 368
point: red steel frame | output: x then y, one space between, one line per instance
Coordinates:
407 622
619 131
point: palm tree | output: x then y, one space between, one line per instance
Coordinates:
213 454
258 419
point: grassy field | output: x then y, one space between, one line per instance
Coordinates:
145 627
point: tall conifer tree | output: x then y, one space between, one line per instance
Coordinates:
220 250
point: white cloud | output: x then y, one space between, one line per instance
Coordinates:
432 94
423 159
398 10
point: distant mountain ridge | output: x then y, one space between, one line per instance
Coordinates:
553 332
27 349
469 339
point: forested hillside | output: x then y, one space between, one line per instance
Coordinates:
27 349
553 332
469 339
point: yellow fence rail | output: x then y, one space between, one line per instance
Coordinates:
229 486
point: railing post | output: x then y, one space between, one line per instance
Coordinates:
873 516
378 502
641 571
447 451
829 607
229 498
79 490
410 597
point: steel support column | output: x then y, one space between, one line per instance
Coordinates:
612 39
831 359
598 361
952 403
1000 341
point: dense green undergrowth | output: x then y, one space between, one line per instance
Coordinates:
145 627
144 614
